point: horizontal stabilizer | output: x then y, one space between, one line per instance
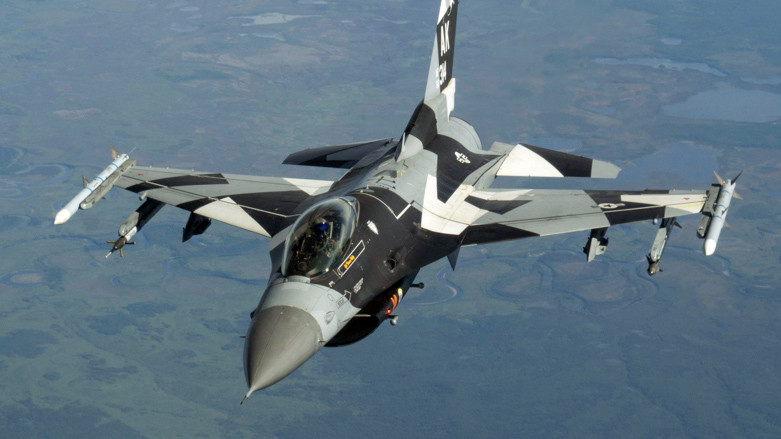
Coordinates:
338 156
533 161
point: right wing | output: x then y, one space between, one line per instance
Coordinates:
338 156
257 204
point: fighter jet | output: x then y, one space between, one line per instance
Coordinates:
345 253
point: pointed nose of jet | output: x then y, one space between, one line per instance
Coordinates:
279 340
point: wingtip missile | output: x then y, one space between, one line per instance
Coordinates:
72 207
62 216
709 247
720 210
95 189
734 180
718 177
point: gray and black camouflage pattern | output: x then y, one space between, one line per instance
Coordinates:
418 199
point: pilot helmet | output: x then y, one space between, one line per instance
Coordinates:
320 224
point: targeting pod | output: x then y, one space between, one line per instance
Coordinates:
97 188
719 215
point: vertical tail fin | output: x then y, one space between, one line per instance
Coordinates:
440 71
437 104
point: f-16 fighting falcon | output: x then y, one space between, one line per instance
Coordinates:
344 253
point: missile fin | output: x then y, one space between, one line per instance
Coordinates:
721 182
84 180
734 180
114 152
718 177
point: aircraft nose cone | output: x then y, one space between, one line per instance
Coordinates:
279 340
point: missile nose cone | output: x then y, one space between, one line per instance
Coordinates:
709 247
62 216
653 268
279 340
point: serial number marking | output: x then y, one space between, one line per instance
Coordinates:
442 74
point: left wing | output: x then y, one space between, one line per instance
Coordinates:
257 204
502 215
520 214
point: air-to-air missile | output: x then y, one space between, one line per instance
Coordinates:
714 213
657 248
718 214
134 223
96 189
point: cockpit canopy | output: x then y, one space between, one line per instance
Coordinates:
320 237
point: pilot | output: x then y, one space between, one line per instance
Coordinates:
323 242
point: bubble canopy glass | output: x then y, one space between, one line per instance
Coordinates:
320 237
